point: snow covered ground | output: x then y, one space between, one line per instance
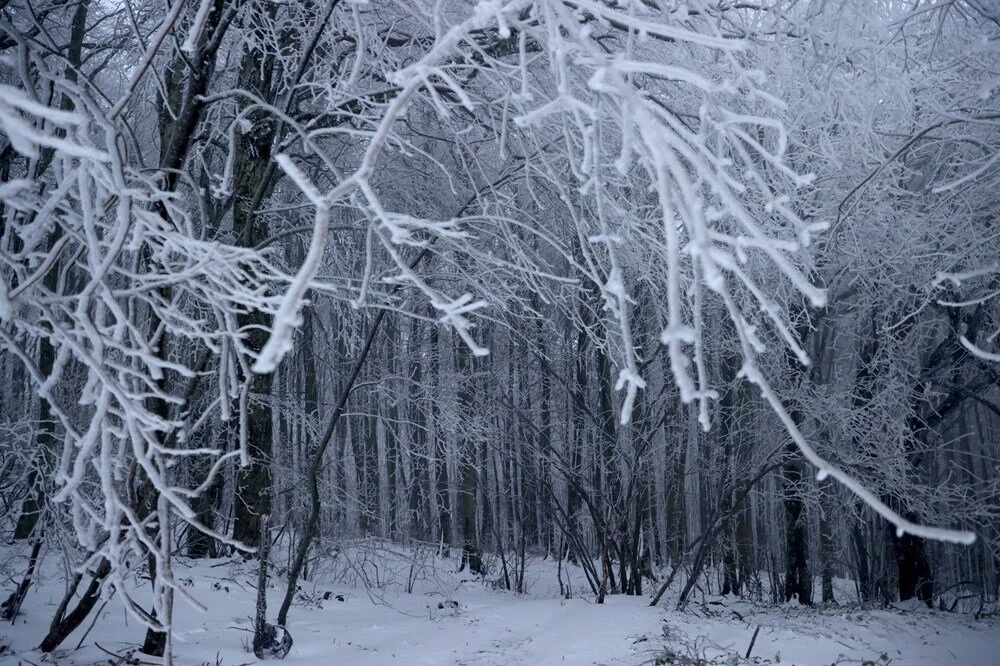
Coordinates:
451 618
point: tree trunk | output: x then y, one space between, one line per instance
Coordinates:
260 615
468 471
798 581
58 633
10 607
866 590
252 181
826 544
916 580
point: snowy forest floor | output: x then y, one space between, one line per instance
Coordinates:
355 610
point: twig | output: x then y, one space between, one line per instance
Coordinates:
105 650
125 659
752 641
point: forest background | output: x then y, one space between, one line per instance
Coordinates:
702 286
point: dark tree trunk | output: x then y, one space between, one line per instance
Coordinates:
798 582
10 607
468 471
253 483
155 643
260 616
826 545
147 498
58 633
866 589
730 580
916 580
253 179
438 444
31 509
205 505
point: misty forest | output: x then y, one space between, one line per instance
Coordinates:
500 331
